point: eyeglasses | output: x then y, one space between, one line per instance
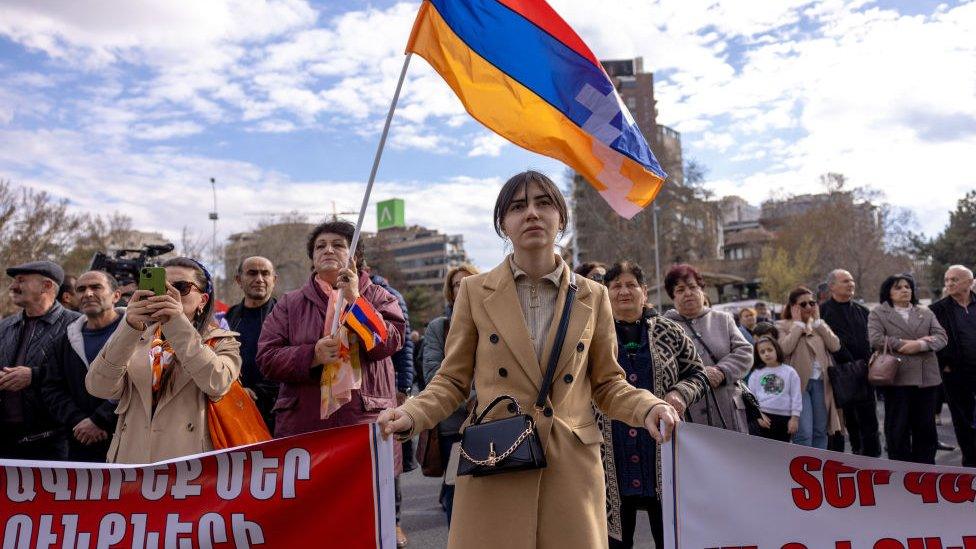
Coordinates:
596 277
185 286
805 304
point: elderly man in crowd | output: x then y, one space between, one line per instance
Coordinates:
956 312
91 420
257 278
27 430
849 320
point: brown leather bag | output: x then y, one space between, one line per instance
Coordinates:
429 453
883 367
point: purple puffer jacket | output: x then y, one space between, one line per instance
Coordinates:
286 353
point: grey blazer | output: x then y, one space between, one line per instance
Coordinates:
885 324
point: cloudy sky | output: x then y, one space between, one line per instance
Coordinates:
133 105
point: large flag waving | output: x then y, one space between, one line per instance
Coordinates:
523 72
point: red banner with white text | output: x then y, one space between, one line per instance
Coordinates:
331 488
732 491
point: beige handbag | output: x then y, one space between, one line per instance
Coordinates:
883 367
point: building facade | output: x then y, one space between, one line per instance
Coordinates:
688 227
414 256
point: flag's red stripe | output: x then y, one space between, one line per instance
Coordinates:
546 18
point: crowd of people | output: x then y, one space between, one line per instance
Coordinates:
86 375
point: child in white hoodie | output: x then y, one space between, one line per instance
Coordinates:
777 387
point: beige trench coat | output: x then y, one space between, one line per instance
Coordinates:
801 346
179 426
564 505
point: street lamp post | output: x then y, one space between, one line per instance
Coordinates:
657 255
213 217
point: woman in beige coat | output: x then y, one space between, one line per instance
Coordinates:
500 340
912 334
162 410
807 342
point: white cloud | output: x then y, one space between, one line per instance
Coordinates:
101 179
793 87
151 132
487 144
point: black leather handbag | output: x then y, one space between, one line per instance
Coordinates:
512 443
849 382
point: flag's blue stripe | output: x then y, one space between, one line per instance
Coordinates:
364 319
540 62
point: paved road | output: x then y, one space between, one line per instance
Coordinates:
426 526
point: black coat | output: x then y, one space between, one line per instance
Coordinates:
849 321
50 328
951 355
67 399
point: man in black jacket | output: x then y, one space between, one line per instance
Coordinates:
957 314
849 320
91 420
27 430
257 278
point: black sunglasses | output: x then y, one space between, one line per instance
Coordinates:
185 286
806 304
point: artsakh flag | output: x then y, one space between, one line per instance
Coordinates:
363 319
520 70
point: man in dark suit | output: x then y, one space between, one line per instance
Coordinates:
27 430
956 312
849 320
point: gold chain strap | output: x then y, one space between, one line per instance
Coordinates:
496 459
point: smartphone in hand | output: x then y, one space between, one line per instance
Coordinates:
153 279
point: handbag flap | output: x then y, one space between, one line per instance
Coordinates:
480 440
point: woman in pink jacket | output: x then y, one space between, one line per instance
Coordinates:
292 349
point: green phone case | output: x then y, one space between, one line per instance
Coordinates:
153 279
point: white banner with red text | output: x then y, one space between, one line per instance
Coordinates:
331 488
728 490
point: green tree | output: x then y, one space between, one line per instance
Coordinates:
954 245
424 305
781 268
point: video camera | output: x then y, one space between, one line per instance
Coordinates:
124 265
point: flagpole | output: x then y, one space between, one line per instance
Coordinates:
372 179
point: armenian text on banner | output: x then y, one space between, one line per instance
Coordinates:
331 488
728 490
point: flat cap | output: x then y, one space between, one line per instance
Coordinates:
49 269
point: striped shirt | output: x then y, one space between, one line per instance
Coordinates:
538 301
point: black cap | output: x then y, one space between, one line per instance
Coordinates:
49 269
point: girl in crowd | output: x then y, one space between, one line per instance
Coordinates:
448 431
913 334
726 354
501 338
777 387
807 342
162 364
656 355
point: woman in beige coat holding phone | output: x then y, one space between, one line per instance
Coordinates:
163 364
501 335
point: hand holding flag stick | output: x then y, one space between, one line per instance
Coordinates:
340 303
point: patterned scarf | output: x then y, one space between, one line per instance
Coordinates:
339 379
161 359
